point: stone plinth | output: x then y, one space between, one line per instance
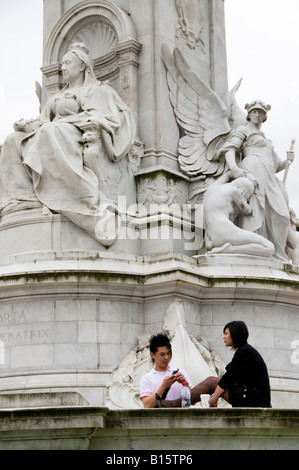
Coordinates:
91 428
67 319
70 309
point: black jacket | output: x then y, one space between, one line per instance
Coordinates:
246 379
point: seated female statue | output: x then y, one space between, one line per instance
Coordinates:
44 161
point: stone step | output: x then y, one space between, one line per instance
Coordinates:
38 400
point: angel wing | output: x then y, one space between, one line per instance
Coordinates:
202 116
237 117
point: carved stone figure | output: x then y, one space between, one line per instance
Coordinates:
258 160
222 203
204 119
190 22
43 161
218 137
292 249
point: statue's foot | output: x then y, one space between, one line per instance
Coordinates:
221 249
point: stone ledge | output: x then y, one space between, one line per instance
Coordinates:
145 271
98 428
38 400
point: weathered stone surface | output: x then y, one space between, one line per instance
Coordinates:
71 309
38 400
91 428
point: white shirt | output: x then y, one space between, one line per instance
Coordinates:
151 381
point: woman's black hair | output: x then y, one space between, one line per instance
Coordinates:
158 341
238 332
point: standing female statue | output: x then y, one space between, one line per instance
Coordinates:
259 161
43 160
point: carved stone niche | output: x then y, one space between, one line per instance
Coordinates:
111 38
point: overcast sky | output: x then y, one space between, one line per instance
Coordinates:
262 48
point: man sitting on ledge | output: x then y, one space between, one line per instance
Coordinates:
161 381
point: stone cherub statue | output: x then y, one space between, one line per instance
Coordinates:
43 161
217 138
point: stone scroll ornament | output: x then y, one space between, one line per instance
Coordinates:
220 140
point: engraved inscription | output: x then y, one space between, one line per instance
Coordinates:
12 318
14 329
24 335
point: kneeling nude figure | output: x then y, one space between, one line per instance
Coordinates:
221 204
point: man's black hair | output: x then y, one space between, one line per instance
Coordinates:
158 341
238 332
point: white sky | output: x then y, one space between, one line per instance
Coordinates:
262 48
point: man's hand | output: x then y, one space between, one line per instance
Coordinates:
180 378
170 380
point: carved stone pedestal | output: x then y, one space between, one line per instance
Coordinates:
69 317
71 309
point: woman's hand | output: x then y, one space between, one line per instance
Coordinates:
213 401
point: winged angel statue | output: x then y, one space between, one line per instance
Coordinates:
205 120
220 144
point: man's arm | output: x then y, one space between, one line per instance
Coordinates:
150 401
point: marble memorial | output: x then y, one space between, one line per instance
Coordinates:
142 198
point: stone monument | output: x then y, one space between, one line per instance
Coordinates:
107 205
